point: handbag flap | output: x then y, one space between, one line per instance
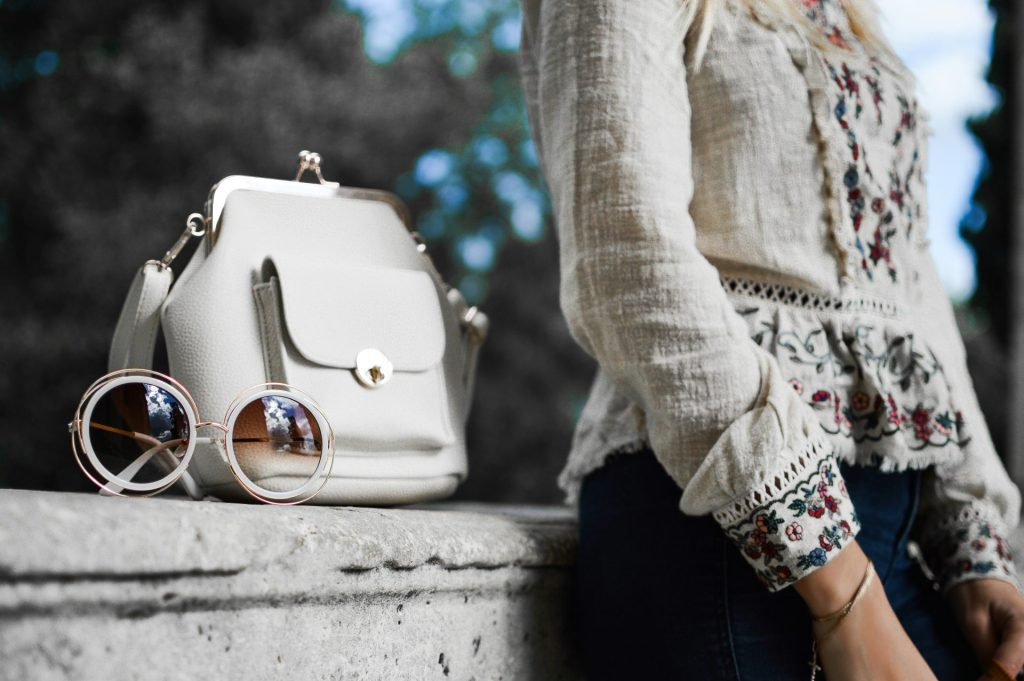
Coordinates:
332 310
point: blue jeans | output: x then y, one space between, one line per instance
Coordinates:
662 595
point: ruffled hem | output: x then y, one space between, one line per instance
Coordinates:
571 477
877 388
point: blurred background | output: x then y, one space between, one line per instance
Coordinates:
117 116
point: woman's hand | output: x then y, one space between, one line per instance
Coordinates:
869 644
991 615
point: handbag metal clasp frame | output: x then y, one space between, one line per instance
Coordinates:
198 225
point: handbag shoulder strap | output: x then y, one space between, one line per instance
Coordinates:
135 335
139 322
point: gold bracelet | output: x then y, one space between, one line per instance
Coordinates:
839 615
869 572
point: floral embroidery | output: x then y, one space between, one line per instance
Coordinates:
929 426
820 12
854 196
855 79
908 119
863 386
799 528
872 80
848 83
877 248
966 546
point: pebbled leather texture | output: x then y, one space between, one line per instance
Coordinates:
350 276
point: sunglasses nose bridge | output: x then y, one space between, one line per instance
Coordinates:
212 424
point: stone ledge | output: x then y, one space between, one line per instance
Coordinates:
85 534
100 588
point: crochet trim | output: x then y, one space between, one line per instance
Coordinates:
969 514
808 299
781 482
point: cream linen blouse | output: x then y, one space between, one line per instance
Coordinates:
744 251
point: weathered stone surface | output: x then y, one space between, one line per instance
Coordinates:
99 588
111 589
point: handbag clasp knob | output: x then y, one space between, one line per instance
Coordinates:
310 160
373 369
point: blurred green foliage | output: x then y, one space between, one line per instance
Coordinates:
116 118
485 189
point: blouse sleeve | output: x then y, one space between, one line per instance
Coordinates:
969 506
606 90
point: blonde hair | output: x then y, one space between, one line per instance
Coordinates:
862 14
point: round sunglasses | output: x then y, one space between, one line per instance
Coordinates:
135 431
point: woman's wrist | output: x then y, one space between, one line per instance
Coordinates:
832 585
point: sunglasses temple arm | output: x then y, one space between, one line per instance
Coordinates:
132 469
186 480
191 487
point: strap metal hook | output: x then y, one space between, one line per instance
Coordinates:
195 226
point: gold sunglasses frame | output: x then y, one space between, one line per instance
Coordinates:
81 445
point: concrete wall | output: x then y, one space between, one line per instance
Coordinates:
100 588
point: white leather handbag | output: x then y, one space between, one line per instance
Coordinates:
328 289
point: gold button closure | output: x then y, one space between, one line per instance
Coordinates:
373 369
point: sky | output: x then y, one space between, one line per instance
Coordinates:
946 44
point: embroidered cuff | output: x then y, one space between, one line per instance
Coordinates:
794 525
970 544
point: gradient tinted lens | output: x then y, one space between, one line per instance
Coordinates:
278 443
139 433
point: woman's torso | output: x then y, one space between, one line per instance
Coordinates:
809 199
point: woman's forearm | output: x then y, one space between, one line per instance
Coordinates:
829 587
